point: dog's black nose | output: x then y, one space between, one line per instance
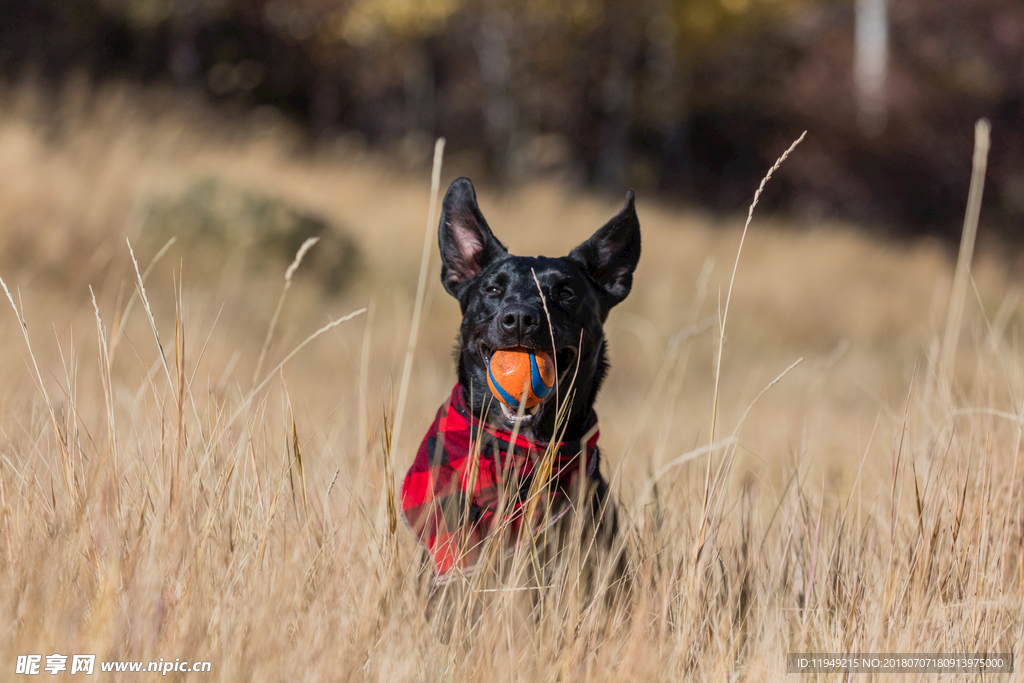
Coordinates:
520 320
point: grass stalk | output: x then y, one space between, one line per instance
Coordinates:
421 288
961 277
721 338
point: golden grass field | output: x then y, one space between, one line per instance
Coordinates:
215 508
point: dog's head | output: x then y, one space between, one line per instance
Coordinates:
556 305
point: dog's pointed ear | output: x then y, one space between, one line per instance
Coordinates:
610 256
466 243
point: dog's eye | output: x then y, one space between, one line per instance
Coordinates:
492 290
564 292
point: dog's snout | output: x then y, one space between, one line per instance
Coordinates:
520 320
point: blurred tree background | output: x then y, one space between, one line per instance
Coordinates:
693 98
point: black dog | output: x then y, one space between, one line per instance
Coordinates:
555 305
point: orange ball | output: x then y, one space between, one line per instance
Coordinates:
513 370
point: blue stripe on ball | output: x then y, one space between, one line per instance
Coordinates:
507 397
539 389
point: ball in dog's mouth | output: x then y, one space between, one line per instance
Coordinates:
532 368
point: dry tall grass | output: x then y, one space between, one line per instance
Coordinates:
157 502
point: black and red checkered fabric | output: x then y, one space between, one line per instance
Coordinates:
452 515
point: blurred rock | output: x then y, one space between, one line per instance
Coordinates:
220 226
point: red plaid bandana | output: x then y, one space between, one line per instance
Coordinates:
451 514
